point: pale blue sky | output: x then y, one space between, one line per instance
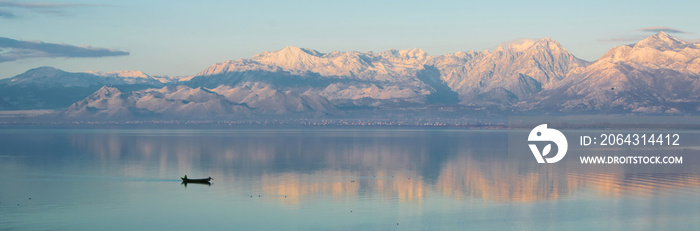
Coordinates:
184 37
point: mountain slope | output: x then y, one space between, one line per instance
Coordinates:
521 69
167 102
182 102
656 75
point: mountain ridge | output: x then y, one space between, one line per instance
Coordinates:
658 74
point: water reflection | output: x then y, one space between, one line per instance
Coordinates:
196 183
289 167
615 185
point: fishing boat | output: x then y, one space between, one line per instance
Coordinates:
201 180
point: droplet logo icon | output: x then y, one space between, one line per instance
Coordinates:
543 134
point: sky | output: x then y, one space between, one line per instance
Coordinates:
180 38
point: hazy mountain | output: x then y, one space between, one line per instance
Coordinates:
52 77
659 74
51 88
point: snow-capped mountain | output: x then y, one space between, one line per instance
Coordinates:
273 101
659 51
519 69
132 76
659 74
52 77
166 102
183 102
392 65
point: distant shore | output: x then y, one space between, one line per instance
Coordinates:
502 122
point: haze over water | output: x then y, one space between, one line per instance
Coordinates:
326 179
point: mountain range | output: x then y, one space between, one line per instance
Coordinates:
657 75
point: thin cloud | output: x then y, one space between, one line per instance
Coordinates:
657 29
43 5
637 37
6 14
11 50
8 8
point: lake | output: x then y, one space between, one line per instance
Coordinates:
330 179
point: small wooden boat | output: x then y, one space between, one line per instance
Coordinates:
201 180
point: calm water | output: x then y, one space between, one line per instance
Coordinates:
349 179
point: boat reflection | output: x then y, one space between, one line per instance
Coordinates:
196 183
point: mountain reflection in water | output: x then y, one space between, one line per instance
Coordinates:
325 179
408 165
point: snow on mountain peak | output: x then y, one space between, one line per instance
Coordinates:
550 44
132 76
296 50
125 74
517 45
659 51
290 58
662 41
105 92
288 52
44 71
523 45
413 53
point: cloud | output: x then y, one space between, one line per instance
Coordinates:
11 50
657 29
636 37
6 14
42 5
7 8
